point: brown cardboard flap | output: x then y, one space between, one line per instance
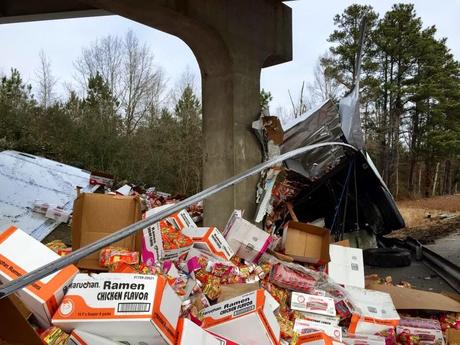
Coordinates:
453 336
404 298
306 242
98 215
14 327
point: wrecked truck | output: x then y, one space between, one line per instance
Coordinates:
331 186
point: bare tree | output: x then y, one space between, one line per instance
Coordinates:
324 87
142 84
301 105
46 81
127 67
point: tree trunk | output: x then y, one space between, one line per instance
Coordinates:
435 179
419 190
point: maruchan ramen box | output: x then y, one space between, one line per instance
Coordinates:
319 338
132 308
312 304
246 319
21 254
157 238
210 239
79 337
191 333
306 327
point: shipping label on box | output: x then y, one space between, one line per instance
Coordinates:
312 304
247 241
21 254
79 337
210 239
306 327
246 319
123 307
346 266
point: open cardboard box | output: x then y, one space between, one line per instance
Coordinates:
98 215
306 243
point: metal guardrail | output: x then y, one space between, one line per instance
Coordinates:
13 286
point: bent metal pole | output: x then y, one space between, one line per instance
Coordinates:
75 256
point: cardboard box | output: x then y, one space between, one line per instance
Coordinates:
363 339
122 307
312 304
306 327
210 239
246 240
319 338
79 337
417 299
373 311
306 243
191 333
15 328
21 254
429 331
98 215
152 241
453 336
246 319
327 320
346 266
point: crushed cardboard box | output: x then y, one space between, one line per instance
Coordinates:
246 319
21 254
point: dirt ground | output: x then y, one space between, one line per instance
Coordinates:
429 219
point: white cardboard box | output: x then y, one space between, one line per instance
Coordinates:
246 240
246 319
191 333
210 239
21 254
312 304
152 242
363 339
306 327
122 307
319 338
374 311
346 266
79 337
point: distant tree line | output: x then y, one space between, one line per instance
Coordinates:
121 119
410 96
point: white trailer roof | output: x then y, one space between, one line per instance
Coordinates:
25 178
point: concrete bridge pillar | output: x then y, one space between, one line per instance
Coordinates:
232 41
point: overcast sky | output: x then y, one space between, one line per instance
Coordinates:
62 41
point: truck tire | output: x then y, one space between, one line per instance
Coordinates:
387 257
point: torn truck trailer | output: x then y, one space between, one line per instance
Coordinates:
342 187
26 178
